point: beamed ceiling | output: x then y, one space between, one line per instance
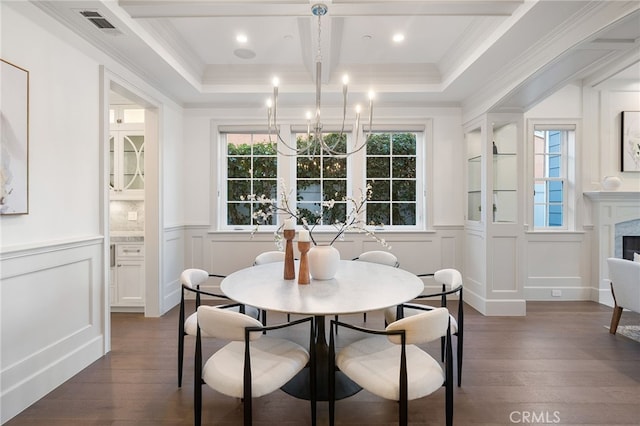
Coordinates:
479 55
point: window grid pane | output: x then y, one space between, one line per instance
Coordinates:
252 168
549 177
321 177
391 172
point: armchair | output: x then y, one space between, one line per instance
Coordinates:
390 365
625 288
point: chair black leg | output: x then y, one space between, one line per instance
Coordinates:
364 316
247 411
459 348
180 355
197 383
442 345
332 377
197 406
181 338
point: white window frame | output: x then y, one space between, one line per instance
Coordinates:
287 172
569 167
421 168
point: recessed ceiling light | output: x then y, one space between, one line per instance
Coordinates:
244 53
398 37
241 38
367 37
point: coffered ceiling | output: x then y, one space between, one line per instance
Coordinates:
477 54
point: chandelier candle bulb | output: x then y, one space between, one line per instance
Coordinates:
317 141
276 82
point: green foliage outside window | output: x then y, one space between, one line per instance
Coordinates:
321 177
252 168
391 172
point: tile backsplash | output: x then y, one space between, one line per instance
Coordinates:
119 216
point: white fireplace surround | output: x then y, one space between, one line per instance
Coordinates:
609 208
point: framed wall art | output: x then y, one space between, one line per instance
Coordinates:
14 145
630 141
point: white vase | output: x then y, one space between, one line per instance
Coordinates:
611 183
323 262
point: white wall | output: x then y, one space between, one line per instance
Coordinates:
63 138
52 259
579 273
173 167
54 314
227 250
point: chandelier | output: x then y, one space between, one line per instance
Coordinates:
315 143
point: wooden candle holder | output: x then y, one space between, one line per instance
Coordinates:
289 267
303 273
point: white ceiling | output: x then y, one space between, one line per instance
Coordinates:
474 53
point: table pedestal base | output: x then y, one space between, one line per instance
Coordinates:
299 386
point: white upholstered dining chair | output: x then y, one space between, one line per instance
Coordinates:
263 258
389 363
451 281
191 280
377 256
252 364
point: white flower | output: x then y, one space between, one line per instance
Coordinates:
352 222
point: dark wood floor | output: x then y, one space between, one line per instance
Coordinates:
557 365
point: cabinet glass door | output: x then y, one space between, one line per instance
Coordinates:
112 151
505 173
474 176
133 162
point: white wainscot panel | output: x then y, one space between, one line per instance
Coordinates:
474 269
419 257
229 255
52 321
557 269
173 267
505 261
46 306
554 258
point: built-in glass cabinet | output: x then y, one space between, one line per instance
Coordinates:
474 175
126 152
505 173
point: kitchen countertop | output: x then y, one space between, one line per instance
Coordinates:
126 238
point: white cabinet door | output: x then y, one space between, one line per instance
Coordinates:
126 160
130 283
126 153
128 276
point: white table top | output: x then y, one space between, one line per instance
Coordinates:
357 287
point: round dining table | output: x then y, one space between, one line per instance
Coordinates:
357 287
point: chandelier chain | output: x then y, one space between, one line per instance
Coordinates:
315 130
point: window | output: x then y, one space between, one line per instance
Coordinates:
391 172
551 145
321 177
252 168
391 164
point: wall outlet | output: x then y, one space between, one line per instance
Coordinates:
556 293
132 216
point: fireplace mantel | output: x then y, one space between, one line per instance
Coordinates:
613 195
609 208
